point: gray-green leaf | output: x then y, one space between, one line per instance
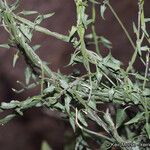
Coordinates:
135 119
7 119
102 10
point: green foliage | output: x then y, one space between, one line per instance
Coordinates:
82 95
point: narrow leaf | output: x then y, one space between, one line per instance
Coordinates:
28 12
102 11
28 74
147 127
4 46
48 15
120 117
16 56
45 146
7 119
135 119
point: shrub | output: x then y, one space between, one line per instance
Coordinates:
79 97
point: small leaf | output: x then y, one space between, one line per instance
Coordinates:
146 92
110 62
106 145
144 48
59 106
67 104
108 118
48 15
2 4
135 119
28 74
72 122
4 46
99 76
102 10
111 94
135 29
89 36
64 84
39 19
140 77
138 44
147 127
28 12
36 47
14 5
11 105
72 32
82 119
130 134
120 117
7 119
26 32
50 89
105 42
94 1
92 104
45 146
146 20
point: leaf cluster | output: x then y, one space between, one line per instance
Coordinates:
79 98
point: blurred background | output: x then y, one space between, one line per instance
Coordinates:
27 132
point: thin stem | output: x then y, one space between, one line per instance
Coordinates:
42 78
121 24
94 31
128 36
80 10
91 132
146 69
41 29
